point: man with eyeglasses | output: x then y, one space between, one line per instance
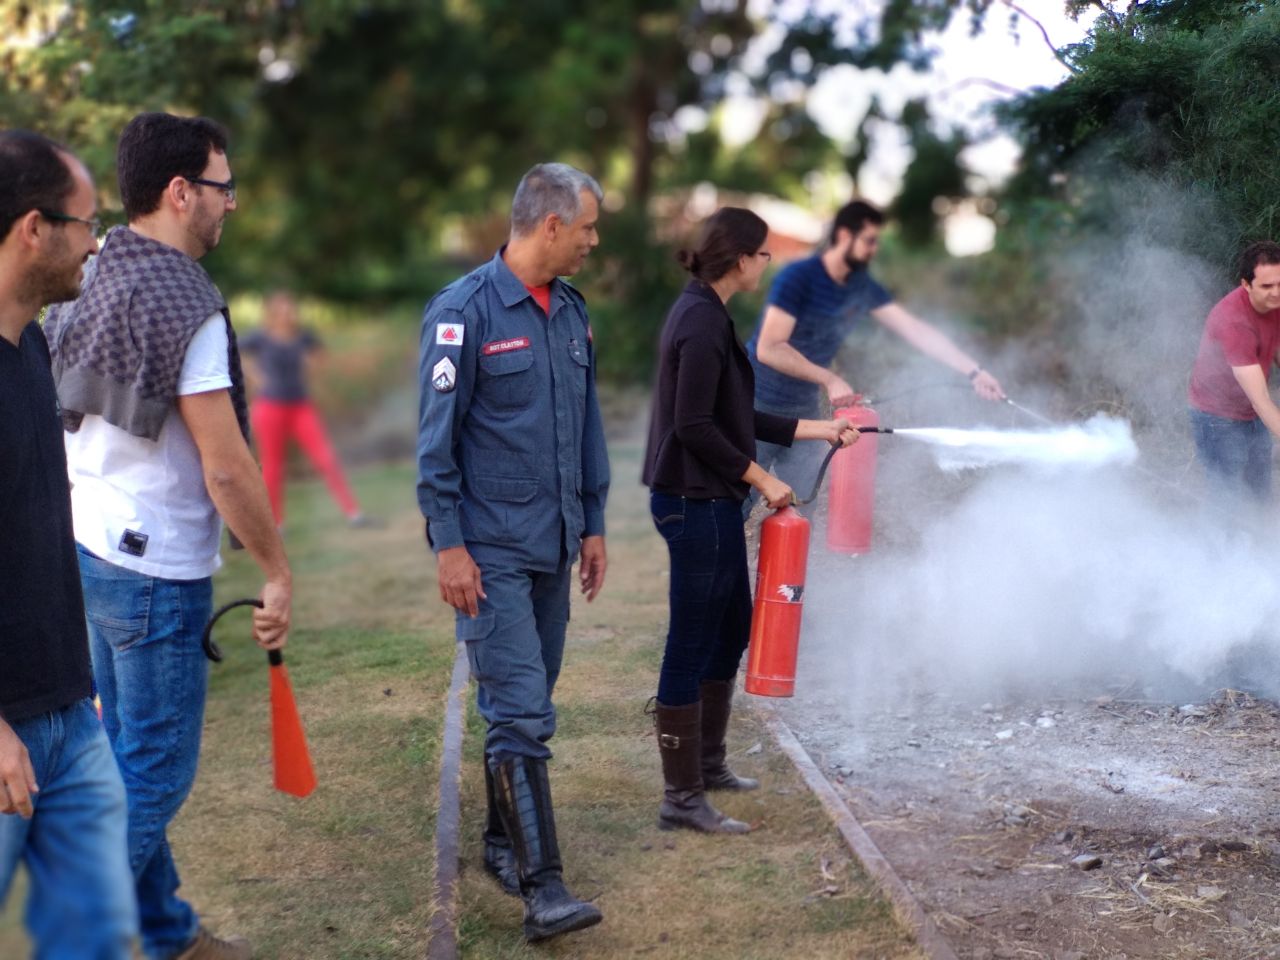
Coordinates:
153 400
62 802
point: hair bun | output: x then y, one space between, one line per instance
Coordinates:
689 260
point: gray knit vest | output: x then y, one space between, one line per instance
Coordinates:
118 350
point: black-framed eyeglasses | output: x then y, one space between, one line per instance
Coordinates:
227 187
94 224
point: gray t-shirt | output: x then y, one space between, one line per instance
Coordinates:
281 364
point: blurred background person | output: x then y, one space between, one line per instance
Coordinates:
278 362
700 465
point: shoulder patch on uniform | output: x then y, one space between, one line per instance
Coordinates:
449 334
444 375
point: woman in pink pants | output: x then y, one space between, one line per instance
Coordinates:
276 361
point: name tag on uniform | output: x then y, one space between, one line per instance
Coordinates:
449 334
444 375
505 346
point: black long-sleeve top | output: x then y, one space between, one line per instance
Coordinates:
704 425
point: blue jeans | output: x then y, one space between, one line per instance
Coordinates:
81 904
515 647
1235 454
796 465
151 673
710 593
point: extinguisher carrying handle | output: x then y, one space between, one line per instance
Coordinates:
211 648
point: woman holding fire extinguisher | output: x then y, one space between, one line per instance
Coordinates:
699 466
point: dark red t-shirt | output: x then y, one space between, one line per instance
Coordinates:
1235 335
542 295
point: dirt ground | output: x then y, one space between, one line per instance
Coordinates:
983 811
1089 820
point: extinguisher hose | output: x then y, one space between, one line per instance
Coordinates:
826 462
211 648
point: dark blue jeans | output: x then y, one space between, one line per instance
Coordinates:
1235 454
81 903
152 674
710 593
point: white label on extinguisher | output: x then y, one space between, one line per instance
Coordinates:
791 592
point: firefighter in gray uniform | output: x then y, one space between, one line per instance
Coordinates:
512 479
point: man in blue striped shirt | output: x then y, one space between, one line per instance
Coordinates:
812 307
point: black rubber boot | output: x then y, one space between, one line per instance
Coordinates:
499 858
524 803
684 803
717 704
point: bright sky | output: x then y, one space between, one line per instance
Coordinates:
969 76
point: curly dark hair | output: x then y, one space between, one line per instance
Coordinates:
156 147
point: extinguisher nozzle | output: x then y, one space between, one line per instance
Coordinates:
875 429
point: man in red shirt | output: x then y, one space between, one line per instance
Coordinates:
1232 414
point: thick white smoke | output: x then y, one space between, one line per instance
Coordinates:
1009 579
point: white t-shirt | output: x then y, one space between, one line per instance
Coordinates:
142 504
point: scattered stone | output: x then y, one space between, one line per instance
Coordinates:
988 708
755 748
997 717
1238 920
1156 853
646 846
1210 894
1064 836
981 953
1207 849
664 937
1006 953
669 845
1044 723
1004 735
1022 928
1069 955
913 743
387 692
1234 846
1086 861
1012 821
783 791
1164 865
1018 810
1162 924
1190 710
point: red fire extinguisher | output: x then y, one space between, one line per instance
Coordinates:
851 496
775 619
784 553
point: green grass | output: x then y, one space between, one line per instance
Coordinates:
349 872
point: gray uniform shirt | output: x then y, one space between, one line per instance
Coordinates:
511 452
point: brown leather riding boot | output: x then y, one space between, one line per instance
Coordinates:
684 803
717 703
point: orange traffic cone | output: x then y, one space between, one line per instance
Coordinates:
289 754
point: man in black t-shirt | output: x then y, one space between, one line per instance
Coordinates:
62 802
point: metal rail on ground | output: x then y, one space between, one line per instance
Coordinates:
907 907
442 941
